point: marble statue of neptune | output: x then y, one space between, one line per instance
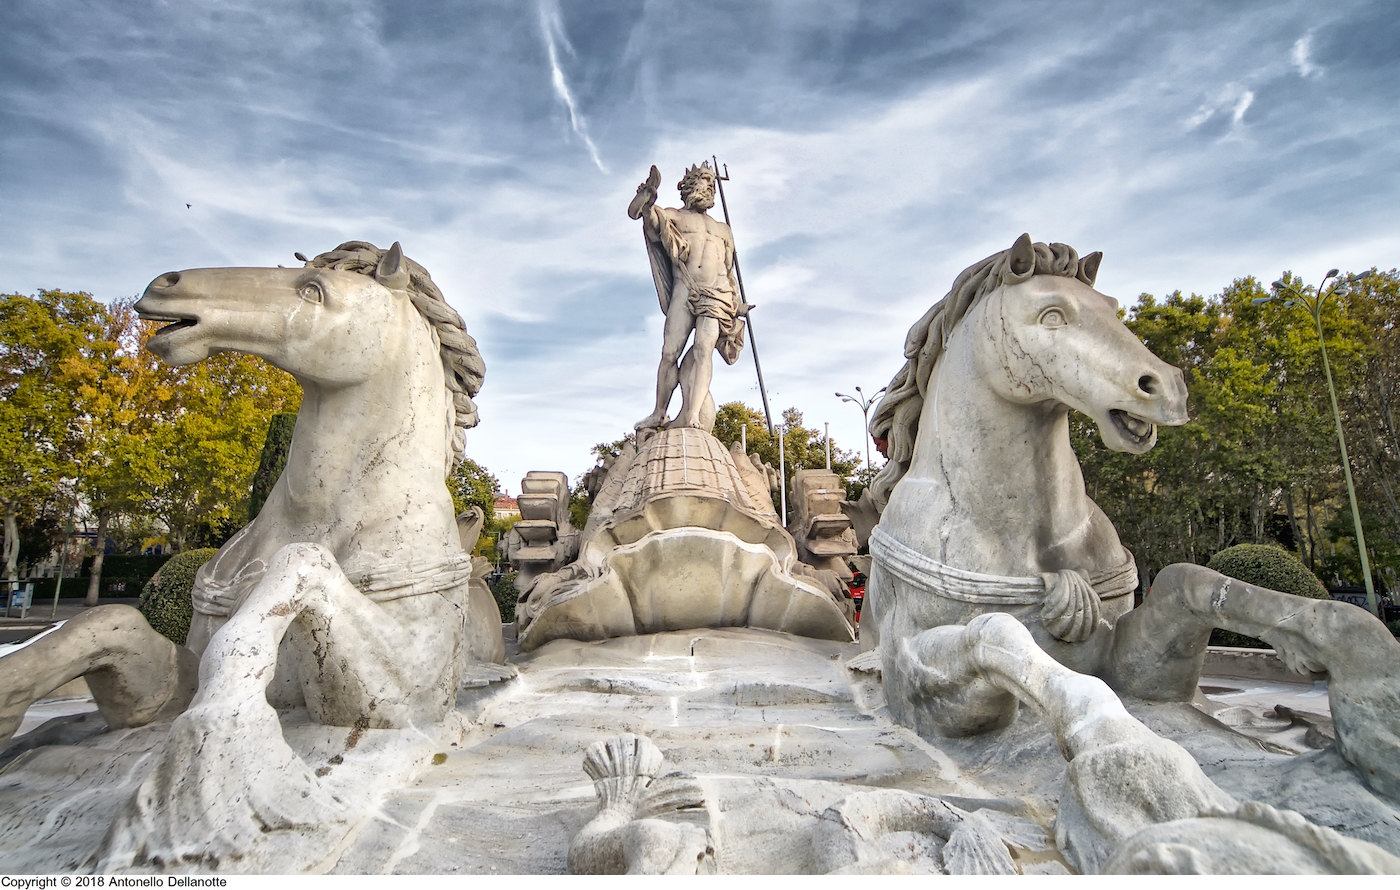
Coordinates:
692 263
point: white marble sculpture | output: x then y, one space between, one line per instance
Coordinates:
681 534
993 370
646 821
543 540
135 674
725 718
350 594
692 263
1130 801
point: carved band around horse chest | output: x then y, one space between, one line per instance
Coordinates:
952 583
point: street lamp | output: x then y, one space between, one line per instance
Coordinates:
865 406
1314 306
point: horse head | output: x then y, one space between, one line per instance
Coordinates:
1042 335
325 326
1053 338
350 315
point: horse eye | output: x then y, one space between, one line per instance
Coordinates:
311 292
1053 318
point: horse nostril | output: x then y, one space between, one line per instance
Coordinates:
1150 385
169 279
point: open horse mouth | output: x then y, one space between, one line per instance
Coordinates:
177 322
1135 429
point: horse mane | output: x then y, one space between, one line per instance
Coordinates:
461 360
897 418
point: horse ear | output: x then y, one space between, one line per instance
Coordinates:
392 272
1020 265
1089 267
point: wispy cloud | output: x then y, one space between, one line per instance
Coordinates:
1242 104
1301 57
876 149
1232 96
553 28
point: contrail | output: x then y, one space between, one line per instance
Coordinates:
553 28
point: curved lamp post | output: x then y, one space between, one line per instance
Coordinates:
1314 306
865 406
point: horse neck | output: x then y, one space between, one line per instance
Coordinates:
372 450
1001 485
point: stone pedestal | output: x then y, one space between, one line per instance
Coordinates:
681 535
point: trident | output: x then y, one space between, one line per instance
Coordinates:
720 180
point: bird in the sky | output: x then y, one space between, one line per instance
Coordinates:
187 207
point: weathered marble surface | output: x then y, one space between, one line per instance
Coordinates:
543 540
675 540
773 728
349 596
993 371
984 507
135 674
692 265
824 534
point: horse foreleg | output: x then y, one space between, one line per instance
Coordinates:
973 676
1159 649
1121 778
135 674
226 779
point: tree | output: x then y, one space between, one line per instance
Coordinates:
47 351
1258 462
1371 417
803 448
210 420
472 485
115 464
273 460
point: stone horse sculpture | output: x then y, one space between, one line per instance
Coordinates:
984 510
351 593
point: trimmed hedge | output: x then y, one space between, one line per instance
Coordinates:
1263 566
506 596
273 461
165 600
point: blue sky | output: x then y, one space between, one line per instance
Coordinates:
875 150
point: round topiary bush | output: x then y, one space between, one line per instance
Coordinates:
1263 565
165 600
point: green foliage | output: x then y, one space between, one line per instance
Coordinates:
1259 461
613 449
273 461
1266 566
506 596
803 448
209 437
495 531
579 506
50 346
472 485
165 600
859 481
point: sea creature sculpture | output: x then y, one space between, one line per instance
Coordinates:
992 373
350 594
641 826
1130 801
